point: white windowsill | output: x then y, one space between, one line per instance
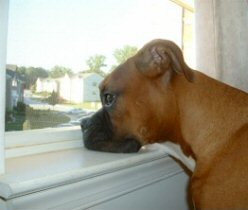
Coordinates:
78 178
30 142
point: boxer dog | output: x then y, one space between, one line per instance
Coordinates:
155 97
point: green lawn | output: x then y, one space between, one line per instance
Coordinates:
17 124
36 119
94 106
86 105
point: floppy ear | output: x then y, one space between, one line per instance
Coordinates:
153 60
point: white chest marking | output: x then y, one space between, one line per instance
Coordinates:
175 151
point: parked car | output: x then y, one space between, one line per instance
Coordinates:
78 120
76 111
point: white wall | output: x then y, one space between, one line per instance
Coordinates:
65 88
48 85
91 90
169 194
77 84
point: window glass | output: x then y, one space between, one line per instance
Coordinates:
59 52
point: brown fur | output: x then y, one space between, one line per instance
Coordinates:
160 98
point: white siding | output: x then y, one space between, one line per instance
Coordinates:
77 89
91 90
77 85
46 85
65 88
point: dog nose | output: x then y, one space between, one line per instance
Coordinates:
85 123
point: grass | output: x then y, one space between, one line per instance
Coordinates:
36 119
17 124
86 105
94 106
43 94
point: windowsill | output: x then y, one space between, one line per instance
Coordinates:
31 142
42 174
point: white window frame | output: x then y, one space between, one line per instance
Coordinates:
4 8
19 143
184 4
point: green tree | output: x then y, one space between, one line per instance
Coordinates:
41 72
122 54
60 71
31 74
53 99
95 64
21 69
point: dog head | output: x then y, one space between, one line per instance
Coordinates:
138 102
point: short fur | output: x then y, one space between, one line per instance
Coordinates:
159 98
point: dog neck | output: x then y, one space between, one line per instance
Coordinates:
200 111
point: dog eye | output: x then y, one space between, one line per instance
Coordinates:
108 99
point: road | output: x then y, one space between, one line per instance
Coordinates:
36 103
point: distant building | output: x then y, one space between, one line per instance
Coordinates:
15 84
79 88
46 85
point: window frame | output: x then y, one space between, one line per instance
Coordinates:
19 143
184 4
4 9
29 142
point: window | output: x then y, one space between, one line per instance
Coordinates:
58 52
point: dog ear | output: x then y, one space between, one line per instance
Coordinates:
154 60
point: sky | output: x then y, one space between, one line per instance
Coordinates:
45 33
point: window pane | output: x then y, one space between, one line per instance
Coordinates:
59 52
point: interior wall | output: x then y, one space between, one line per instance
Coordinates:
222 40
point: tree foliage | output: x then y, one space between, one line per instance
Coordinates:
59 71
31 74
54 98
122 54
96 63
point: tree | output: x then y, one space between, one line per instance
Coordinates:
31 74
122 54
53 99
21 70
41 72
95 64
60 71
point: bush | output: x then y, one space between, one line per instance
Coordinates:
33 88
43 94
20 107
26 125
8 116
53 99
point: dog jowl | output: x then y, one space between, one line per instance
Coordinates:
98 135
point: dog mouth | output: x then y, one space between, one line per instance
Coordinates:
98 135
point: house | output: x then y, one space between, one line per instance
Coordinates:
46 85
79 88
15 84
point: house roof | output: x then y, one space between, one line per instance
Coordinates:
11 67
11 71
